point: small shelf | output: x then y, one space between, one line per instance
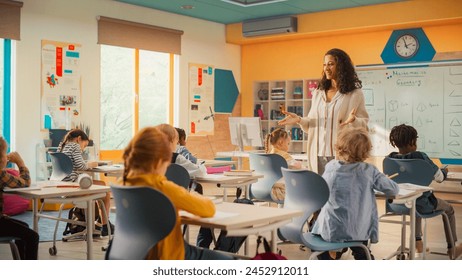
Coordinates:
294 96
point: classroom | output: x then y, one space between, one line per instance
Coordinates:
241 73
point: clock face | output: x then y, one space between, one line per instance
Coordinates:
406 46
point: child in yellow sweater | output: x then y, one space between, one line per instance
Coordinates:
146 159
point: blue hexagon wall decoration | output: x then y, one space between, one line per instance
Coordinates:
226 91
425 51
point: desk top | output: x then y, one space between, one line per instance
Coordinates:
231 216
52 190
454 176
223 179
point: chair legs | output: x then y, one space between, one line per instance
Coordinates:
14 250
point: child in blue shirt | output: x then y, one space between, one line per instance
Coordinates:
351 214
404 137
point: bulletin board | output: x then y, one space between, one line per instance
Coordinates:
429 98
201 99
60 84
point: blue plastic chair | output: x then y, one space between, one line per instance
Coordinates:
268 165
418 172
307 191
178 175
145 216
61 166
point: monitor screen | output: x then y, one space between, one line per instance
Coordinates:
245 131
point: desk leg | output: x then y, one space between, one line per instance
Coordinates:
274 238
412 233
35 214
90 224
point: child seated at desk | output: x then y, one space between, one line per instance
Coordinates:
350 214
146 159
404 137
172 136
181 147
27 239
279 141
73 145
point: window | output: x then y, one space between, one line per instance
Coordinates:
2 74
135 93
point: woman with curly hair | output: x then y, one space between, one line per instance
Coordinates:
337 103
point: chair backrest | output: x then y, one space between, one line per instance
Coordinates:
61 165
414 171
268 165
178 175
306 191
144 217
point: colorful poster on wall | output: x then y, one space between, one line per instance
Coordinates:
61 85
201 99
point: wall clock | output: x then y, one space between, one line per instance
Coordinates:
406 45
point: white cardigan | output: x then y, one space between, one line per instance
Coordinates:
351 100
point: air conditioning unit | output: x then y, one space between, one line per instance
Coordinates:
271 25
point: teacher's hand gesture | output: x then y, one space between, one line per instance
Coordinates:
351 118
291 118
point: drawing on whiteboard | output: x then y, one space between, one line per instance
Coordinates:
453 133
454 153
455 94
454 143
455 122
418 122
393 105
421 107
368 96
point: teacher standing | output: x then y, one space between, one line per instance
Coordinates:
338 102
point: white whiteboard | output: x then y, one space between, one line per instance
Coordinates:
428 98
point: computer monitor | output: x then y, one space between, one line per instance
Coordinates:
245 131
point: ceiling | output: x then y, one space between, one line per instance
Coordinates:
222 11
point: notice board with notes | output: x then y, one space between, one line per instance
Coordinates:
429 98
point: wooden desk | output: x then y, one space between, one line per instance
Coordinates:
244 219
225 182
47 189
454 176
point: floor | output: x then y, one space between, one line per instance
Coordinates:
389 239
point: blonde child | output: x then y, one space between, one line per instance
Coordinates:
27 240
350 214
146 159
277 142
73 145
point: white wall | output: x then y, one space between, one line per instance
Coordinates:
75 22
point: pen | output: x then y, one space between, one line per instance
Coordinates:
444 167
392 175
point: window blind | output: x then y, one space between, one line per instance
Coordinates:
122 33
10 19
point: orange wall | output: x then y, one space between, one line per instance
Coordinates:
301 55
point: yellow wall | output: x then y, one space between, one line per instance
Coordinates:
361 32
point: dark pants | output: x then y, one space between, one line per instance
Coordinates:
196 253
204 238
27 241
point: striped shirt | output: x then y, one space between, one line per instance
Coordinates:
11 181
74 152
328 113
